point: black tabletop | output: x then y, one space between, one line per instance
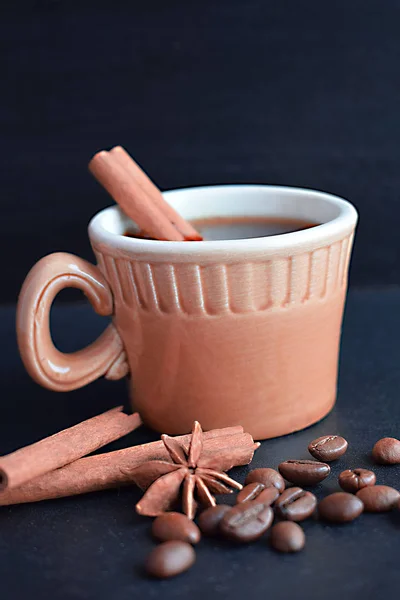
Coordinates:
94 546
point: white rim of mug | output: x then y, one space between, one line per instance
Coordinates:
343 223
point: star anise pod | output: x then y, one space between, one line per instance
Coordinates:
190 474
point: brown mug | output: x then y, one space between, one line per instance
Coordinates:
224 332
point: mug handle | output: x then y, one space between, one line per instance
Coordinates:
48 366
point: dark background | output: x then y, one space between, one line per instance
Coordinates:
285 92
294 92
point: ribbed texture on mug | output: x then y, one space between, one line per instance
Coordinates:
244 287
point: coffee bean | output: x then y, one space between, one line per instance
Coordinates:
267 496
356 479
287 537
378 498
259 493
175 526
210 518
304 472
170 559
250 491
340 507
269 477
295 504
246 521
328 447
387 451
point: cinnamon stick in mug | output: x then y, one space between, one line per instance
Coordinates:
64 447
133 200
140 177
112 469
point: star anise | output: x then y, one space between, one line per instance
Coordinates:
197 477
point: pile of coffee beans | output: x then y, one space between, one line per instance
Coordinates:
266 497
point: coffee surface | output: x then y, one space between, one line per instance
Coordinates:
236 228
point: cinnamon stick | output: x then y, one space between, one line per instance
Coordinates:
133 200
64 447
112 469
140 177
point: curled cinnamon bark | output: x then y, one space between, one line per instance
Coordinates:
132 199
65 447
139 198
140 178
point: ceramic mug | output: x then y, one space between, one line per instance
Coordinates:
226 332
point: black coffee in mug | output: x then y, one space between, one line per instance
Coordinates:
236 228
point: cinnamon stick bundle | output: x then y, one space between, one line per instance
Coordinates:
64 447
112 469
